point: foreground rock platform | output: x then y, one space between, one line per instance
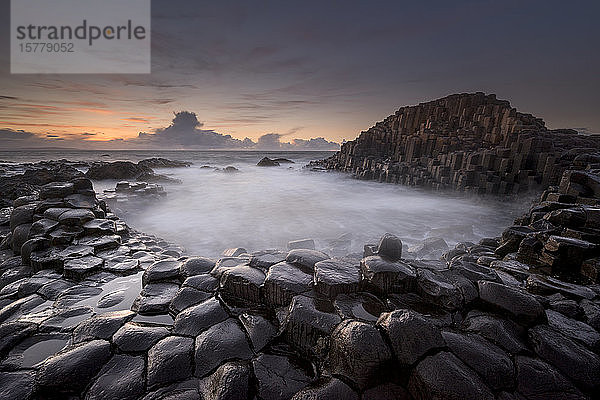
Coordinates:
92 309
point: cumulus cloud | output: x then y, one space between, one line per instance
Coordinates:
272 141
186 131
269 141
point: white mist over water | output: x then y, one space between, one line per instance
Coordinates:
264 208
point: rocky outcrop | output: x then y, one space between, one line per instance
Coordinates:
142 171
267 162
117 170
25 180
560 233
159 162
466 142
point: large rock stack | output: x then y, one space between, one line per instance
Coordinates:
467 142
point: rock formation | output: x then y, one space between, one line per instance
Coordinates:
20 180
91 309
466 142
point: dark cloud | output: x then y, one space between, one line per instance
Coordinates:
8 98
136 119
9 134
11 139
272 141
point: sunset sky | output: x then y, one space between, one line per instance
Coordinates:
306 69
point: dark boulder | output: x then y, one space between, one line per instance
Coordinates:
242 283
159 162
221 342
502 332
161 270
121 378
278 378
332 389
231 381
385 276
309 324
196 266
17 385
489 361
101 326
133 337
284 281
444 376
537 380
117 170
572 359
390 247
359 353
267 162
410 334
574 329
186 297
170 360
73 368
198 318
259 329
361 306
56 190
155 298
521 305
305 258
336 275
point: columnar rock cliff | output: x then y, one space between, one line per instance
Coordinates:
466 142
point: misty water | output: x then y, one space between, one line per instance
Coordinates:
265 207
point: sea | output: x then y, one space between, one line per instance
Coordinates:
262 208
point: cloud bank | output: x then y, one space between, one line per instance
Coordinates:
184 132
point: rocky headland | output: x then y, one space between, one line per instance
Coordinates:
471 143
92 309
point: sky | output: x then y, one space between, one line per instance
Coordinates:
282 73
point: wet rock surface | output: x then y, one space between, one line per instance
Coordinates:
121 378
170 360
90 308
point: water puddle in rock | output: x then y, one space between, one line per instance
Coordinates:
360 312
121 291
42 350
